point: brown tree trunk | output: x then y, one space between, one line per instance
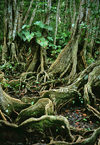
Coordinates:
4 49
68 56
57 21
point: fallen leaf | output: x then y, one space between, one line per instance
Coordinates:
77 123
66 111
84 115
77 110
91 122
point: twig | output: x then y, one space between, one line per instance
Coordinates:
94 111
3 117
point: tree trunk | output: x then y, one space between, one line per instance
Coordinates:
57 21
4 49
68 56
42 116
27 14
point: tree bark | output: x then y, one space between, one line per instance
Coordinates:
57 21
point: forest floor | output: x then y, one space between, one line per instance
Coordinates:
76 114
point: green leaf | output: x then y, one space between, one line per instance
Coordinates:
73 102
26 35
49 28
6 110
29 37
90 60
17 85
24 38
6 85
23 86
86 77
99 77
97 122
81 101
58 50
53 52
85 119
50 38
88 129
25 26
97 52
32 102
98 42
38 34
40 24
56 130
42 41
37 82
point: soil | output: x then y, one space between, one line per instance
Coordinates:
77 116
80 118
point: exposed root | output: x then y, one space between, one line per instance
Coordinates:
9 104
24 75
14 55
74 57
94 111
2 115
4 124
88 141
59 97
48 121
41 107
92 79
45 76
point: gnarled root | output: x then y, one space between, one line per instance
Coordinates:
94 111
88 141
92 79
44 77
48 121
60 96
41 107
9 104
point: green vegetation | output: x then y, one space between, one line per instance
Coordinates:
50 72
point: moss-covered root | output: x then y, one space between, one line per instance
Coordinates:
41 107
61 96
93 80
9 105
5 124
49 121
88 141
94 111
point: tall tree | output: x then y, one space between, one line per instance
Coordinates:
57 21
27 38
